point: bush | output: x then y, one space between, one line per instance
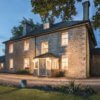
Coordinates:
23 72
60 74
72 88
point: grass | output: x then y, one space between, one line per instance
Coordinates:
11 93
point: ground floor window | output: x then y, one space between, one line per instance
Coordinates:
64 62
55 64
11 63
1 65
36 63
26 63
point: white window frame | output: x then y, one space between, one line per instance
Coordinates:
11 63
26 63
48 60
43 48
26 45
64 39
64 62
11 48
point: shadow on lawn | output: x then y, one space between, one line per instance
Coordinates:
9 91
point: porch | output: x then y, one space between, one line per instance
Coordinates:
46 65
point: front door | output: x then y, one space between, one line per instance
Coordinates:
42 67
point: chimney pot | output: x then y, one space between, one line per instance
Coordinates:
46 25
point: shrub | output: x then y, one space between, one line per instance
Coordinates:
75 89
23 72
60 74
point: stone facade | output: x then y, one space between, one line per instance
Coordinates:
19 54
78 51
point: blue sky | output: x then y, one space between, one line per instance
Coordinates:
13 11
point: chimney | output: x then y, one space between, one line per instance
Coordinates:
46 25
26 28
86 5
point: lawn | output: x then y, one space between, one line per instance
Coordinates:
10 93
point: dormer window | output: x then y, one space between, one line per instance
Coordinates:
64 39
44 47
11 48
26 45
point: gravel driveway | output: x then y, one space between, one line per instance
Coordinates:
13 79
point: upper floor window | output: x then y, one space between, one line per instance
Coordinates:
26 45
11 48
64 39
11 63
26 63
44 47
64 62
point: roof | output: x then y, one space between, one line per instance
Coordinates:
53 28
47 55
2 58
96 51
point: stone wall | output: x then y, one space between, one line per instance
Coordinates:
77 50
19 54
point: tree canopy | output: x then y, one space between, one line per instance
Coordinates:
50 10
96 17
18 30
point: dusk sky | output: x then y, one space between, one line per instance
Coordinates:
13 11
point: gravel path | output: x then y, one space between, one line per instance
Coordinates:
13 79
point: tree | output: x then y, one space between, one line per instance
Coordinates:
50 10
96 17
18 30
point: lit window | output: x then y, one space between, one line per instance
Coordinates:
26 45
48 63
64 62
64 39
36 63
26 63
11 48
11 63
55 64
1 65
44 47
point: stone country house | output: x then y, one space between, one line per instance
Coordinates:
65 46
